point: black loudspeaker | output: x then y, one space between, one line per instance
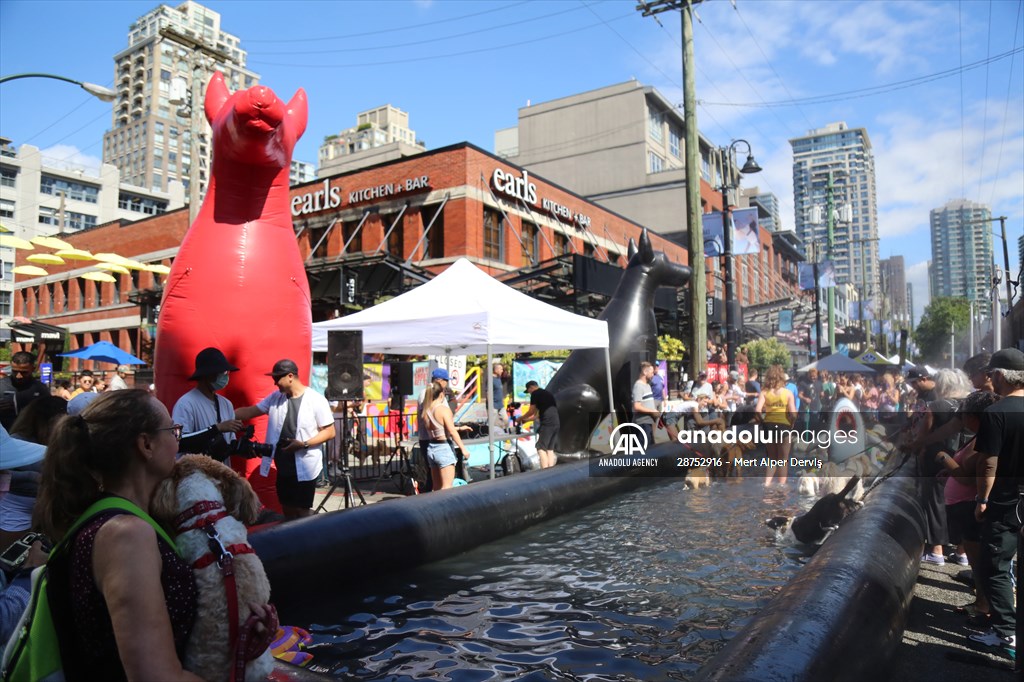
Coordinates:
344 365
401 378
903 347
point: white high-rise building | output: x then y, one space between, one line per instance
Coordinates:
380 135
151 138
844 154
961 250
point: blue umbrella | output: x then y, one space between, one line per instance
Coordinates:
104 351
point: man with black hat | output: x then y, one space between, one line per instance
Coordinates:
300 422
1000 448
208 419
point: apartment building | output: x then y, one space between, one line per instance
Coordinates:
837 162
379 136
961 235
156 137
40 197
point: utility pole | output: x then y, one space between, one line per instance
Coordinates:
910 304
695 229
198 53
997 311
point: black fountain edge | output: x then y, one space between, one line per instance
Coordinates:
346 547
842 617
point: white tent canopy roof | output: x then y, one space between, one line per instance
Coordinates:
466 311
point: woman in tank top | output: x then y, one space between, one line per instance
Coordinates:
125 602
778 407
440 426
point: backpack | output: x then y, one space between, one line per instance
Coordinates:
34 652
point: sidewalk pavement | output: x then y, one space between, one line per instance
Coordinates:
373 490
935 644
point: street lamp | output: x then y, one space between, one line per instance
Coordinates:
727 163
98 91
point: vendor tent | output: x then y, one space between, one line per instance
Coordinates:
466 311
837 363
875 359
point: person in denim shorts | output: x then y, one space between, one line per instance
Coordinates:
440 426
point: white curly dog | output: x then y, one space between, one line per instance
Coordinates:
206 505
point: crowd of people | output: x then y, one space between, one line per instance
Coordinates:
967 436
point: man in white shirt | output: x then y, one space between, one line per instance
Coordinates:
702 386
118 383
300 422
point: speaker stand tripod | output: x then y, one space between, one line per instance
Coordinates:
404 473
345 478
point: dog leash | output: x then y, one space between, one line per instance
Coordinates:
225 559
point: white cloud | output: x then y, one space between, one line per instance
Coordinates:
69 157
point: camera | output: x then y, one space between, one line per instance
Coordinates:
246 446
14 556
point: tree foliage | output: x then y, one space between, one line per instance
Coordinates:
763 353
940 316
670 348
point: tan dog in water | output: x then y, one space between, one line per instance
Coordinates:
697 478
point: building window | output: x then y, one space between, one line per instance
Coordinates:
396 240
655 164
6 304
673 142
348 228
433 243
318 242
656 122
7 176
78 221
6 208
494 233
530 244
72 190
561 244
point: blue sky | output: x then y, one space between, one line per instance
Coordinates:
462 70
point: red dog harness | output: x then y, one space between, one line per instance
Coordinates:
225 559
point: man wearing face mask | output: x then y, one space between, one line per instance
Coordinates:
208 418
20 388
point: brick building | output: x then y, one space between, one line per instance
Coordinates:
369 234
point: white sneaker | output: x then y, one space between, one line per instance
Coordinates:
936 559
990 638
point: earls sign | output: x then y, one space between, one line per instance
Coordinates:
520 187
328 197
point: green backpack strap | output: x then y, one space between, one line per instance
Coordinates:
111 502
33 653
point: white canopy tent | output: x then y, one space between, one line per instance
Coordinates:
466 311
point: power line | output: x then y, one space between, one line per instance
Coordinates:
876 89
422 58
1006 111
984 117
394 29
392 46
766 60
963 141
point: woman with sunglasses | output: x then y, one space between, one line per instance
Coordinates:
123 600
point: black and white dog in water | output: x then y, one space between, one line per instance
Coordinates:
820 520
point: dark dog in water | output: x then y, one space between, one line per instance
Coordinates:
820 520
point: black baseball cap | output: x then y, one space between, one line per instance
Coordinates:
531 384
283 367
918 373
1007 358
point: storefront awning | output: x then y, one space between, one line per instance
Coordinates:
24 330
